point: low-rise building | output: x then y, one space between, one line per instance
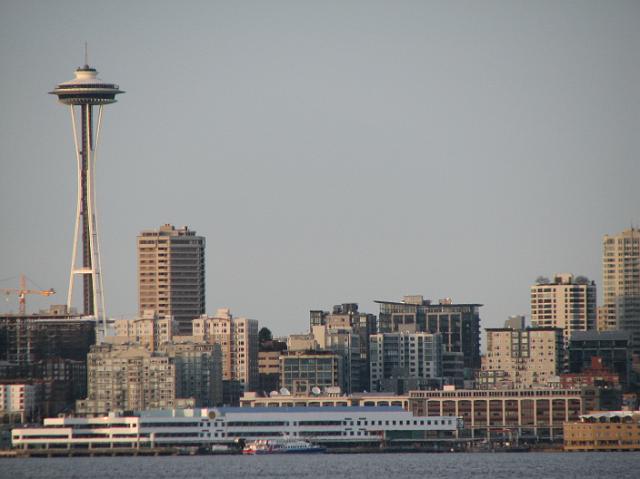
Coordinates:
302 371
604 431
326 398
527 414
205 427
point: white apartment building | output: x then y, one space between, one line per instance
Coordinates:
566 302
238 340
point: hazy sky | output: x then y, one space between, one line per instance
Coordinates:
328 151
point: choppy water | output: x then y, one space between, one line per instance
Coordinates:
369 466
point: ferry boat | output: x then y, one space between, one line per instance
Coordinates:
282 446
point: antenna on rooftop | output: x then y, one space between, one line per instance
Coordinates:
86 54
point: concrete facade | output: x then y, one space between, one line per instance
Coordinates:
566 302
528 358
171 274
149 331
238 341
128 378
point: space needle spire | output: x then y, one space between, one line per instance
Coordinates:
82 94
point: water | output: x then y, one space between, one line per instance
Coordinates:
365 466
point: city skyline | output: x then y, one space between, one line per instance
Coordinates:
312 170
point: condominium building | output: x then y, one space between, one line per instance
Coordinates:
621 284
245 352
238 341
402 361
346 343
566 302
459 324
128 378
198 369
149 331
521 358
171 275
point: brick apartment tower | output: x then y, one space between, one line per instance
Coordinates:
171 274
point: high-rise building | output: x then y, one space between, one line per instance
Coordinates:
82 94
238 341
621 284
171 278
346 317
521 358
567 302
459 324
403 361
346 343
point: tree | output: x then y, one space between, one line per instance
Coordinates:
264 335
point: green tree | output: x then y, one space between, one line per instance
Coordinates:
264 335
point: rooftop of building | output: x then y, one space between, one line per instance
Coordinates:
599 336
204 412
427 302
169 230
528 328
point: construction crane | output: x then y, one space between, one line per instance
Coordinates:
22 292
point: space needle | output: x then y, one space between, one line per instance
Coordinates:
82 94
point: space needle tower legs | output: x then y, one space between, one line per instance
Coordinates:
81 95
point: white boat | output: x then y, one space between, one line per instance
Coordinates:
282 446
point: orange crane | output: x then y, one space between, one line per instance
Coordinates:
22 292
